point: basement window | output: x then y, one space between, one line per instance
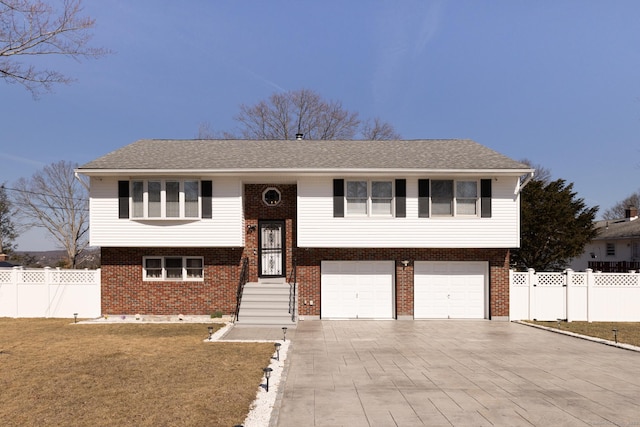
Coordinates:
173 268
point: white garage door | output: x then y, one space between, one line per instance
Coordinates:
450 290
357 289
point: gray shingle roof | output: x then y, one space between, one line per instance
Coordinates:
619 230
212 155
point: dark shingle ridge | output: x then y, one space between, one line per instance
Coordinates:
226 154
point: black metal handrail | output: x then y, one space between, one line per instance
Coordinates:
244 276
292 290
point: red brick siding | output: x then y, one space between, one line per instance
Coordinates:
124 291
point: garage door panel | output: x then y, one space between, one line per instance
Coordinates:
357 289
456 290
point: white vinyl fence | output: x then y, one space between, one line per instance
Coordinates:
49 292
570 295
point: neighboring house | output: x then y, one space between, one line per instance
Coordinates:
3 261
616 248
373 229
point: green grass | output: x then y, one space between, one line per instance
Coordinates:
627 332
56 373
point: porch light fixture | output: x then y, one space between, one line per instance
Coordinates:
404 263
267 374
251 228
615 335
75 317
210 329
284 333
277 346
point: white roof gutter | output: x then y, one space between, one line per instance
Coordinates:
525 182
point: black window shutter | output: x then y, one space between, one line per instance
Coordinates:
485 198
423 198
123 199
207 195
401 198
338 198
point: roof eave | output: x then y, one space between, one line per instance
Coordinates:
301 171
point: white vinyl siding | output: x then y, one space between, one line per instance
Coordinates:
226 229
317 227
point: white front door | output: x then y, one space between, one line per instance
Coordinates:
357 290
450 290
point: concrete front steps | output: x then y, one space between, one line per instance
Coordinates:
265 303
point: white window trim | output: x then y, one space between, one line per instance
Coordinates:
369 213
163 268
163 200
455 199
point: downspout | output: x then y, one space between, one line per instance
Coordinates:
525 182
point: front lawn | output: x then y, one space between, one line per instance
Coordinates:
56 373
628 332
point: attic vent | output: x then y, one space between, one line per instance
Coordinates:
299 136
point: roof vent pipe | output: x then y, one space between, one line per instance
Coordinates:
299 136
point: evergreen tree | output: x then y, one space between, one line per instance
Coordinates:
555 226
8 231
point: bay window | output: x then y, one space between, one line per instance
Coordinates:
165 199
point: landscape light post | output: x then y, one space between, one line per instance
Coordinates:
277 346
615 335
210 329
284 333
267 374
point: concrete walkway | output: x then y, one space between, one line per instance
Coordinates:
454 373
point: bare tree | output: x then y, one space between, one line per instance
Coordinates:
55 200
618 210
541 173
376 129
34 28
283 115
205 131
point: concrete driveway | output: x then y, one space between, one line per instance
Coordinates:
454 373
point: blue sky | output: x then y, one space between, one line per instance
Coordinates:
555 82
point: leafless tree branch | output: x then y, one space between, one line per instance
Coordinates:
33 28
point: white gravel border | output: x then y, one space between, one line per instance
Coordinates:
263 405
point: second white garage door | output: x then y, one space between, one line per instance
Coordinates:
357 289
450 290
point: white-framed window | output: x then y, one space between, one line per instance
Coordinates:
165 198
369 198
454 198
173 268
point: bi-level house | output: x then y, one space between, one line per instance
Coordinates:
363 229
